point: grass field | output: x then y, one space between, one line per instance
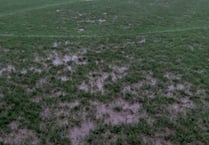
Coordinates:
104 72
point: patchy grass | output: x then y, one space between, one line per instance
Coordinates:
104 72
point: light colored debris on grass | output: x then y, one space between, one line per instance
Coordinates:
81 30
76 58
117 112
117 69
177 89
96 80
150 120
5 49
90 21
80 14
20 137
63 108
56 93
37 99
57 61
46 114
100 49
142 41
41 82
99 62
151 80
182 106
69 68
132 88
135 87
180 87
64 78
67 42
53 94
37 58
129 43
58 10
69 105
174 88
95 83
67 58
24 71
8 69
56 44
62 122
102 21
84 87
14 125
59 113
35 69
67 62
78 133
172 76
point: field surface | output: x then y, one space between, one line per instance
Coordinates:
104 72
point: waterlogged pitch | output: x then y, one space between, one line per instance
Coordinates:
104 72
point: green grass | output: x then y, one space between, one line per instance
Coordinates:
151 53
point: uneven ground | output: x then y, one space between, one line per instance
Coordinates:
100 72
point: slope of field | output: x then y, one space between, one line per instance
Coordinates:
98 72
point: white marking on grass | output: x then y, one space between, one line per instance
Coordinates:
37 8
102 36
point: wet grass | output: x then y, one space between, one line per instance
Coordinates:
64 69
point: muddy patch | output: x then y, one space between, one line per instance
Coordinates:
66 62
60 114
63 111
20 137
78 133
97 80
55 93
46 114
14 125
63 108
144 87
117 112
172 87
96 83
182 106
77 58
8 69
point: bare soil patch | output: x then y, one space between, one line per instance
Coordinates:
20 137
78 133
117 112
